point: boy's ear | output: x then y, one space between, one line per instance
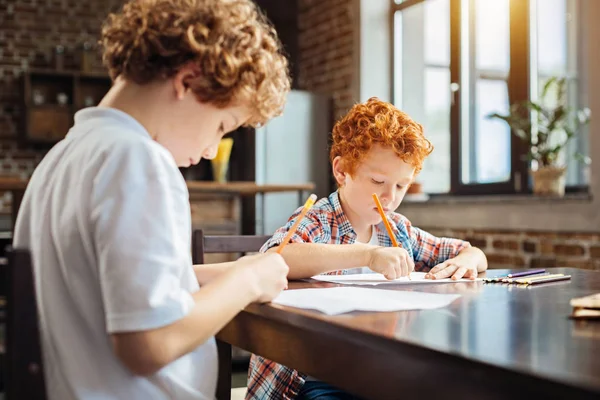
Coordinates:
338 171
182 80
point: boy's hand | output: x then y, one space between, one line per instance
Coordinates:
267 273
392 262
463 265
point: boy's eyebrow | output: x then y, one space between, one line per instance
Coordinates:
375 169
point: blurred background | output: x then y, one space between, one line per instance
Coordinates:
448 63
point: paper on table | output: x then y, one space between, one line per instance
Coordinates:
340 300
379 279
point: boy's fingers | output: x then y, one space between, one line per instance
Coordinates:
436 269
460 272
472 274
401 268
405 267
446 272
392 272
411 263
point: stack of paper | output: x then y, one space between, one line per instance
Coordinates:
378 279
340 300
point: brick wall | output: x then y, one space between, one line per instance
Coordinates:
532 249
327 50
29 31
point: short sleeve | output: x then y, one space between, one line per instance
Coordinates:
141 225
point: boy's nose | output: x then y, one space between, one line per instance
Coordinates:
387 197
210 153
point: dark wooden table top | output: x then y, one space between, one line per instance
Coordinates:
494 335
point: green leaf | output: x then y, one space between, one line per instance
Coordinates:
582 158
549 122
547 86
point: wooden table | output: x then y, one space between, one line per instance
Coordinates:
494 342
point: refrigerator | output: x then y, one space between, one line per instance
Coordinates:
292 148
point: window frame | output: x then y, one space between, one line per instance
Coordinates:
518 86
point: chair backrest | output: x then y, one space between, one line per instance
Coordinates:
202 245
24 367
205 244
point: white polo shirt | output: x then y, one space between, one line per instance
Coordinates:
106 216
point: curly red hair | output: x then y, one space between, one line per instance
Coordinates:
378 122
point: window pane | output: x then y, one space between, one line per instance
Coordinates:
492 35
557 50
485 142
552 37
437 32
492 137
422 82
435 175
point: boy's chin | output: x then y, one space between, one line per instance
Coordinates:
374 219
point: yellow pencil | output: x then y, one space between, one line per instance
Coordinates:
388 227
309 203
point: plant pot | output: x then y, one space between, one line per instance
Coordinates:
549 181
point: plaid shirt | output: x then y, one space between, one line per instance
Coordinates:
326 222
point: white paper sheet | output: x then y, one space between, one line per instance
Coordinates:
378 279
340 300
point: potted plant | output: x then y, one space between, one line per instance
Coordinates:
547 127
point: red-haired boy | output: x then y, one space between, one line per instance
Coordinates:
376 149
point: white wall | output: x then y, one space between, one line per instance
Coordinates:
292 148
567 215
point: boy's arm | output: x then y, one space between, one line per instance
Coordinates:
467 264
455 257
140 223
310 259
430 250
145 352
478 257
207 272
309 253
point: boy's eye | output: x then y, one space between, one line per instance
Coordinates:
221 128
377 182
400 187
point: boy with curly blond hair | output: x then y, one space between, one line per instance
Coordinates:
123 312
376 149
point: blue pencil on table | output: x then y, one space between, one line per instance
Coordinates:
512 277
507 278
526 273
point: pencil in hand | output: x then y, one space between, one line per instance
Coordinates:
386 223
309 203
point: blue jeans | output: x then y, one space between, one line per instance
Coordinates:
317 390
